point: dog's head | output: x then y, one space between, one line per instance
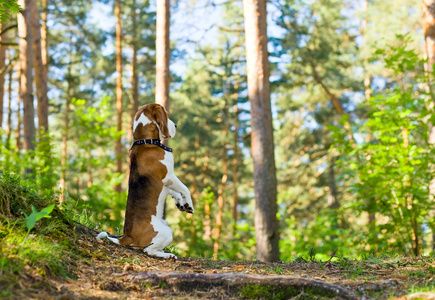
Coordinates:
152 122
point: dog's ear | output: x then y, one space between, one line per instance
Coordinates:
161 117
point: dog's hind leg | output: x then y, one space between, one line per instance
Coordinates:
161 240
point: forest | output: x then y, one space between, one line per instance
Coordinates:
351 109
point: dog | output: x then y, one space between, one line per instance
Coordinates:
151 179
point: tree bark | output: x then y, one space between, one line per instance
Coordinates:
44 34
220 198
9 118
367 77
333 194
134 78
207 221
163 53
18 135
428 8
2 74
333 202
26 62
40 72
235 170
118 151
429 31
64 153
262 146
237 281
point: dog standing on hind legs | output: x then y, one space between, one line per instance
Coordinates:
151 179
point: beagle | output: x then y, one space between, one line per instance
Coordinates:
151 179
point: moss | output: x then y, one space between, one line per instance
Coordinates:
46 252
252 291
163 284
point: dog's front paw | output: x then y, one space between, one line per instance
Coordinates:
188 208
188 205
179 201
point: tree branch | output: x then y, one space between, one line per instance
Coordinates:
229 29
8 28
8 44
335 102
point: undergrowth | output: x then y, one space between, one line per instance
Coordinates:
29 257
50 249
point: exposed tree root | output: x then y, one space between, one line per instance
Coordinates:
246 285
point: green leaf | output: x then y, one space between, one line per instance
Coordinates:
35 216
31 221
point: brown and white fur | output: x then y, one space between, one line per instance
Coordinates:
151 179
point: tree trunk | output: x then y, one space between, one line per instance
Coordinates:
262 147
207 219
193 192
118 152
26 61
235 170
428 7
9 119
89 170
221 198
64 153
163 53
18 134
332 195
134 79
44 33
362 29
2 74
40 73
429 31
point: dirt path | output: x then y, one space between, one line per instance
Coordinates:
113 272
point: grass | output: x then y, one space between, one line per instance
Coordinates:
428 287
45 251
53 251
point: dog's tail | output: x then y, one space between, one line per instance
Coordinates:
104 234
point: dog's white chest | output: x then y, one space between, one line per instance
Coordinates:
168 161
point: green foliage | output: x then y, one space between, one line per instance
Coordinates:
267 291
17 195
47 251
35 216
92 160
391 170
320 49
7 9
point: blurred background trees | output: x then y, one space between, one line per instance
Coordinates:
351 91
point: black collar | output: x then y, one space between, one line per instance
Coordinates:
151 142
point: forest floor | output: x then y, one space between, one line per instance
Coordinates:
58 258
107 271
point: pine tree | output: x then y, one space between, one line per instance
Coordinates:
40 71
262 147
26 62
119 90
